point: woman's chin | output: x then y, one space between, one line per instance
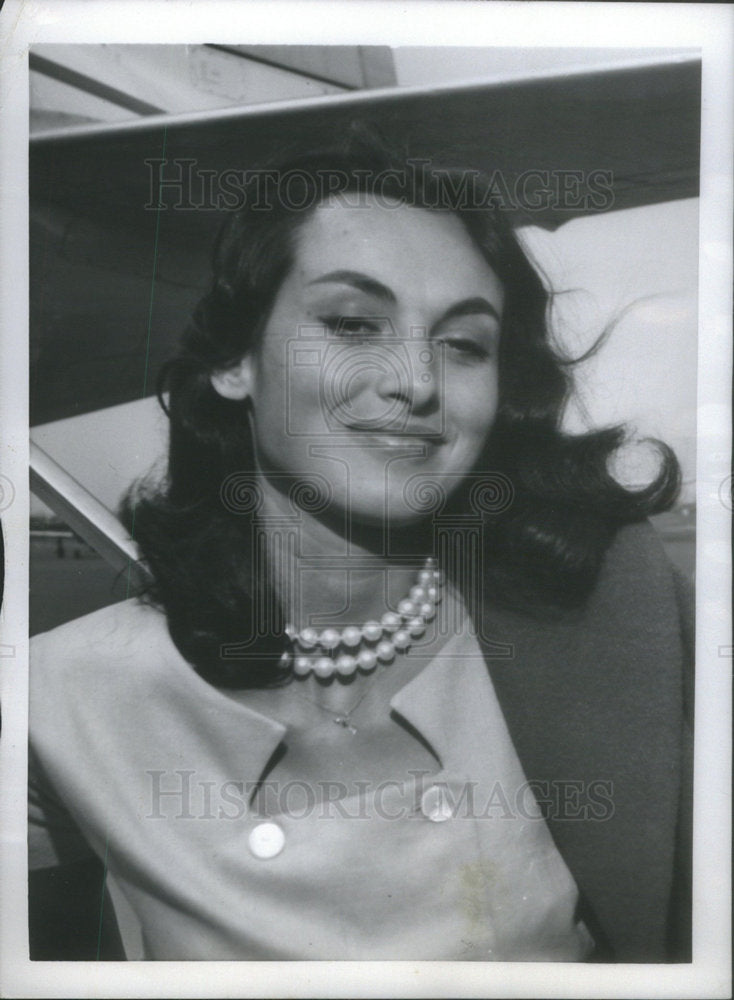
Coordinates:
400 504
390 516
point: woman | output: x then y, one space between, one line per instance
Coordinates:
409 681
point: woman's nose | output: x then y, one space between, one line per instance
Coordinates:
413 375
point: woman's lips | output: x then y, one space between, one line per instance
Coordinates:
417 435
418 439
401 440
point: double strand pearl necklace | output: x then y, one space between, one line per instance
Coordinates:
353 648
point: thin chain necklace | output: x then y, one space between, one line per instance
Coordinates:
343 719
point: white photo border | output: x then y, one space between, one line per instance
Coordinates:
626 25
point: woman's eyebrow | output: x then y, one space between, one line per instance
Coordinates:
371 286
470 307
363 282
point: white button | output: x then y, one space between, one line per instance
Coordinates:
266 840
435 804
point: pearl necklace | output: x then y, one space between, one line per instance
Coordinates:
354 648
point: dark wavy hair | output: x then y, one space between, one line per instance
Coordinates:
543 550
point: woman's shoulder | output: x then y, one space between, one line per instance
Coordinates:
638 590
102 642
90 676
637 563
641 592
637 543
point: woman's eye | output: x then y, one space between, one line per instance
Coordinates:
468 347
354 326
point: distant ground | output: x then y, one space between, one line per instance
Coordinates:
66 588
63 589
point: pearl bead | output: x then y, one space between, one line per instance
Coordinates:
391 622
401 640
372 631
351 636
346 664
366 659
323 666
385 651
329 638
395 631
302 666
284 661
308 637
416 627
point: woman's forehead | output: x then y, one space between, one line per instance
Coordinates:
393 242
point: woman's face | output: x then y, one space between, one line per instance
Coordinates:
377 370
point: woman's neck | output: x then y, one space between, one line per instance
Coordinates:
327 573
323 575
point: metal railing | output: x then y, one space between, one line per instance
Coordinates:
85 515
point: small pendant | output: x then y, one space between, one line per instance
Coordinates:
345 722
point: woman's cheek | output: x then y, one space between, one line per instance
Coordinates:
474 407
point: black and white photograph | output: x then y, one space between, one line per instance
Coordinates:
373 539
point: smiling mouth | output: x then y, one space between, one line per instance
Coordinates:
399 439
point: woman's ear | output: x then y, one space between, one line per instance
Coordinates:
235 382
